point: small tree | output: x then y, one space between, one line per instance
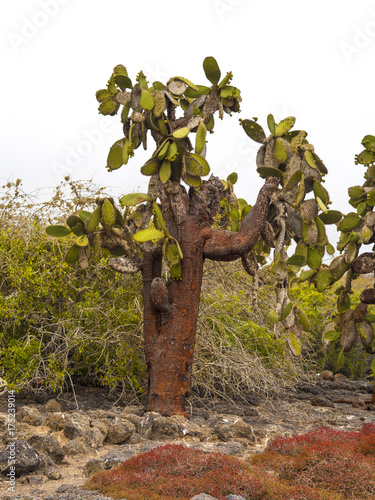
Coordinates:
168 232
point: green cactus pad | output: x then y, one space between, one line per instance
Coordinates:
72 255
109 107
368 142
161 152
343 302
172 151
320 192
159 217
211 70
102 95
331 335
159 105
314 257
269 172
274 317
321 230
309 157
330 249
76 224
108 213
296 260
58 231
192 180
84 215
115 156
321 205
365 234
120 70
331 217
200 140
165 171
361 208
349 222
93 221
123 82
355 192
176 272
323 280
370 199
350 252
146 100
366 157
284 126
171 253
301 192
148 235
338 267
322 168
205 168
181 133
293 180
229 92
279 151
306 275
294 344
125 151
254 130
271 124
193 94
286 311
302 319
82 241
151 167
129 200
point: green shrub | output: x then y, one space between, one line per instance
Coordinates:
58 321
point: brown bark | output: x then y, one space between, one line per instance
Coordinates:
171 309
170 337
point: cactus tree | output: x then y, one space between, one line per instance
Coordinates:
168 232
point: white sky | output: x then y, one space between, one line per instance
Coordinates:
310 59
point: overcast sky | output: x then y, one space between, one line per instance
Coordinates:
310 59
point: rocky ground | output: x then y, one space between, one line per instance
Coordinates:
61 441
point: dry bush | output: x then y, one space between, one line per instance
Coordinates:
236 352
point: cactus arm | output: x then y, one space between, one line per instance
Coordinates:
229 245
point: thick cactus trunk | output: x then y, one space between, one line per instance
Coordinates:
171 308
170 317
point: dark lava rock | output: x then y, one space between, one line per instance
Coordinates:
25 458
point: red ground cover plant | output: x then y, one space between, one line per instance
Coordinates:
324 464
173 472
329 460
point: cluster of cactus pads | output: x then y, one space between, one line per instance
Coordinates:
151 110
299 212
357 229
300 205
294 216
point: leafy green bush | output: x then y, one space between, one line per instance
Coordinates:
58 321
